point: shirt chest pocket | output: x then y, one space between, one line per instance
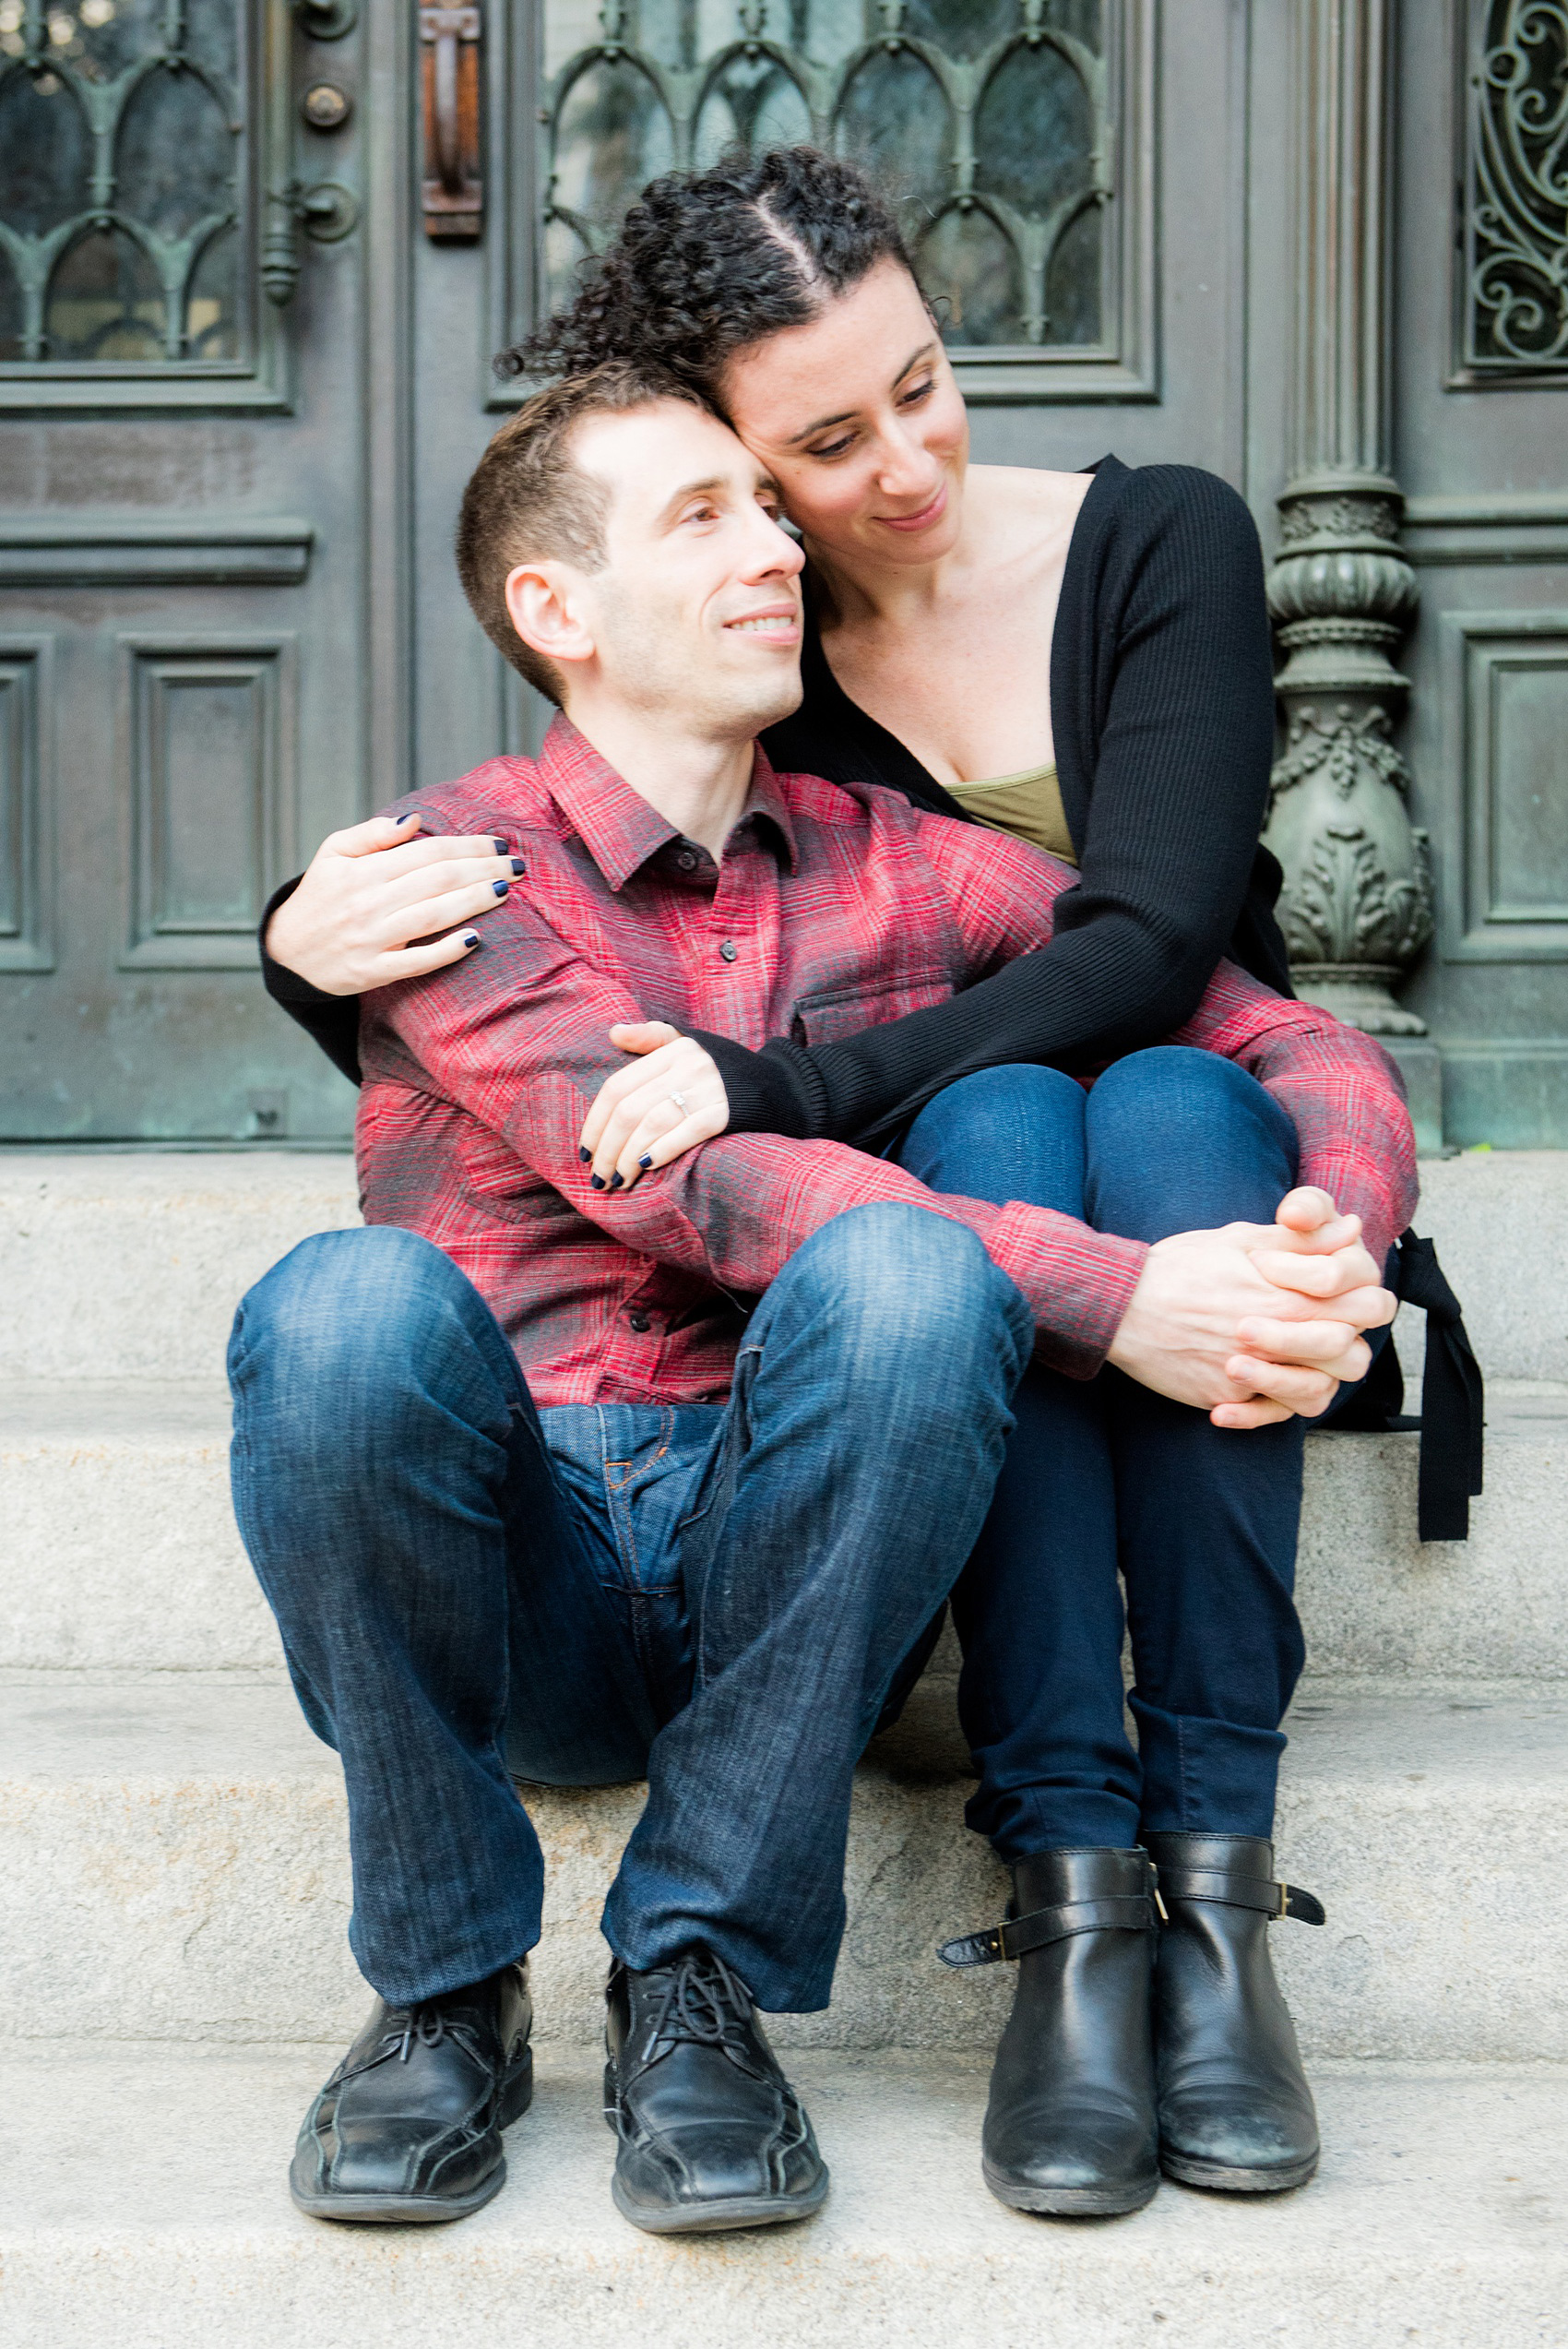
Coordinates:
844 1011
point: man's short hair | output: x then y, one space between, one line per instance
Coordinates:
529 501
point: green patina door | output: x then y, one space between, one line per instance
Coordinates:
255 256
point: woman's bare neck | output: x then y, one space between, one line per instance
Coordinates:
952 658
1014 517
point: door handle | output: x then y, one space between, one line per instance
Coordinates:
328 210
453 192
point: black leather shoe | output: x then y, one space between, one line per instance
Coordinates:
712 2136
408 2127
1235 2110
1069 2127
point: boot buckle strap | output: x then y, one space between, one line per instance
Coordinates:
1016 1937
1230 1890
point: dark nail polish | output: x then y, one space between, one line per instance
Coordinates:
501 888
646 1161
470 938
597 1182
518 865
584 1154
502 847
616 1181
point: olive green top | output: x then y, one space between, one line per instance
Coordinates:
1029 805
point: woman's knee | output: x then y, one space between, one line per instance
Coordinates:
1010 1133
1180 1139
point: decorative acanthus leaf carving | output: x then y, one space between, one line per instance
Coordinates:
1356 906
1345 907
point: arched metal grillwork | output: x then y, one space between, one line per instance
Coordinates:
123 178
990 122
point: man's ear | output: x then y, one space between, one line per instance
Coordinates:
545 601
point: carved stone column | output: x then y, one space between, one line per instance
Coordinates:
1356 908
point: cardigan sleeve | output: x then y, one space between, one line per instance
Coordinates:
331 1021
1162 696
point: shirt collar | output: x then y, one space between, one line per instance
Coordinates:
617 826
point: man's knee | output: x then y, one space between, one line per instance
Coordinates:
347 1312
906 1287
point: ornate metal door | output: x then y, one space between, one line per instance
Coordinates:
186 660
255 256
1481 451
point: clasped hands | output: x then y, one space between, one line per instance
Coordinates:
1257 1322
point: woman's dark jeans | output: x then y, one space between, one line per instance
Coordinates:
1201 1521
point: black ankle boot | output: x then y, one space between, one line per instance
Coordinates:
408 2127
1235 2110
1069 2127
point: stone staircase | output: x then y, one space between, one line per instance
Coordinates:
174 1980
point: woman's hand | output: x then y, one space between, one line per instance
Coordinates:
367 891
636 1122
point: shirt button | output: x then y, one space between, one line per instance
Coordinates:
686 861
729 950
640 1323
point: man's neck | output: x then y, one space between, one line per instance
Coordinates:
697 784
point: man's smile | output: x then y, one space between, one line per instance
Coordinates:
780 624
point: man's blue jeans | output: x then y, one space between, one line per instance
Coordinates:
1201 1521
720 1596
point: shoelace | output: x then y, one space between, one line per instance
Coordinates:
704 2002
425 2025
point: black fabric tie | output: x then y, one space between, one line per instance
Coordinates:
1453 1400
1452 1416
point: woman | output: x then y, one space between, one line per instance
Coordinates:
1083 659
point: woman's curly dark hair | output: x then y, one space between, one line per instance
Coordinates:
710 262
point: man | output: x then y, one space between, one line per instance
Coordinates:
567 1480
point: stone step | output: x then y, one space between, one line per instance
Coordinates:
143 2206
129 1264
173 1852
122 1548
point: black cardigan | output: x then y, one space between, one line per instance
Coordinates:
1162 709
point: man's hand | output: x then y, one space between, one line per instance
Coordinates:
369 890
637 1123
1255 1323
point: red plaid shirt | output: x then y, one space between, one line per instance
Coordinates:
833 908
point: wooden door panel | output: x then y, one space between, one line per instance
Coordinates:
26 803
